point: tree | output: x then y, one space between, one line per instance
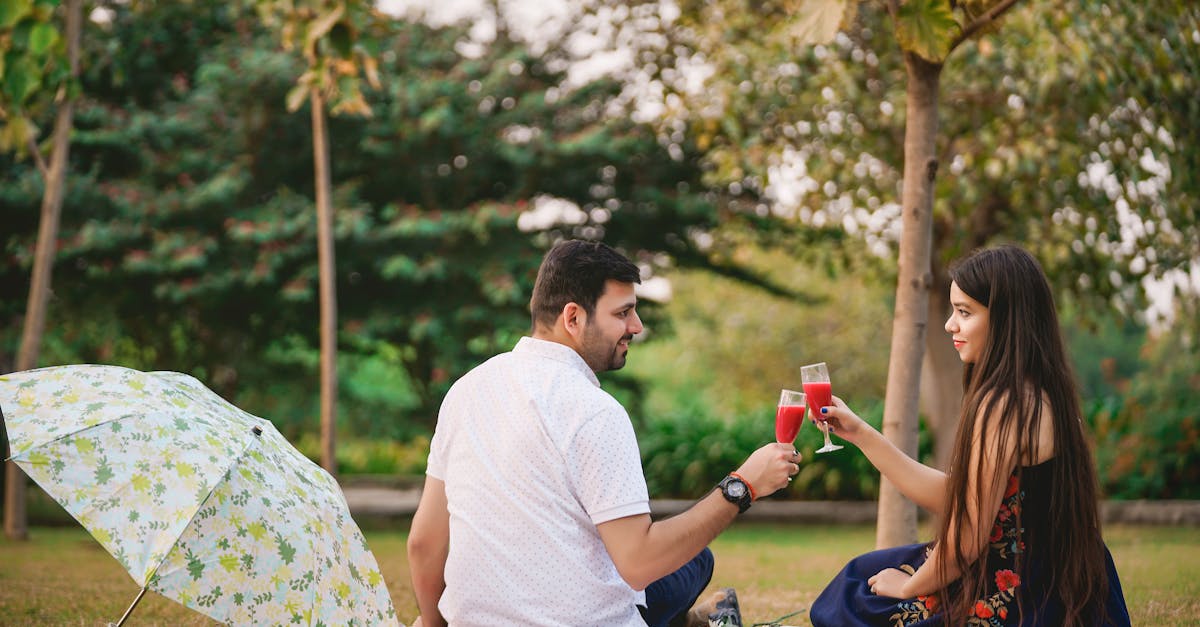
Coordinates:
926 32
200 255
807 135
33 61
327 35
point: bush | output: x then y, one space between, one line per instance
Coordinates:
1148 437
372 457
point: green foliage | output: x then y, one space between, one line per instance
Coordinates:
375 393
731 347
33 67
1105 350
927 28
334 38
1148 432
188 236
1069 130
686 453
357 456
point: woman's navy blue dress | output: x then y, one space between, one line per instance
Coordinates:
1014 597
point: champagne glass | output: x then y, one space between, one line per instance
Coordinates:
820 394
789 416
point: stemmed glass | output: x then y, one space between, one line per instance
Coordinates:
815 378
789 416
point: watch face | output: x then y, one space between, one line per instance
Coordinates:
735 489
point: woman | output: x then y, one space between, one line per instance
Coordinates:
1019 541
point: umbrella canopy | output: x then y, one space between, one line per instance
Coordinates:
200 501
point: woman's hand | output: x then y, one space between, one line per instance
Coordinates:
889 582
846 424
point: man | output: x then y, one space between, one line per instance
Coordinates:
535 509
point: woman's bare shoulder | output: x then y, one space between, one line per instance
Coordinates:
993 422
1045 435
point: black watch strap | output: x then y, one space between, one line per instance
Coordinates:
736 491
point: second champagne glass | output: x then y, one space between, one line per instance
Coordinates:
820 394
789 416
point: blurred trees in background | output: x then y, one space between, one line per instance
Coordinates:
1058 132
39 58
188 241
760 176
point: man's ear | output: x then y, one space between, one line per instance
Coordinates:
574 319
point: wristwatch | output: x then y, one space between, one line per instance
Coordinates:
735 491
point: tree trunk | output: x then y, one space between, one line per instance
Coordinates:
15 520
897 515
328 287
941 380
941 385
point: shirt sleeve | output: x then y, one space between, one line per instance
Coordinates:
606 467
435 466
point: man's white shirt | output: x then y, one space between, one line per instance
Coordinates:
534 455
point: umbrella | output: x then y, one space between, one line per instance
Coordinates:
200 501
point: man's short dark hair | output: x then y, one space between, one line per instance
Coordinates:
575 271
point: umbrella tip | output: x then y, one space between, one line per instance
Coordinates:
257 431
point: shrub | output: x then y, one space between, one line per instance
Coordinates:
1148 438
372 457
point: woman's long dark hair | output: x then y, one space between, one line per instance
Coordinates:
1022 369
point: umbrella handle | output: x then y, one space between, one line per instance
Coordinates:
130 610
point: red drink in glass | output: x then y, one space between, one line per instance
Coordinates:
820 394
815 378
788 419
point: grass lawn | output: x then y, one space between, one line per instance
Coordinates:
63 577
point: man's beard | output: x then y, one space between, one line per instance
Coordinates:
598 354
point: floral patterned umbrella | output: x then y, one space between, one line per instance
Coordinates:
199 500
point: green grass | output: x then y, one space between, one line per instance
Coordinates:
63 577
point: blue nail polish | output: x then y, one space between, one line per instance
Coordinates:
824 410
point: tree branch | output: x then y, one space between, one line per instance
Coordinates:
33 150
992 15
893 8
37 158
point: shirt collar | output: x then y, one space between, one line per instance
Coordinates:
557 352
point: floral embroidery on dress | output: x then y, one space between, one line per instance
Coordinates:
1005 544
1005 538
993 611
913 611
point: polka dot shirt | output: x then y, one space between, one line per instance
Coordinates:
534 455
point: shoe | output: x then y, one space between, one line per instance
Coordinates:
697 616
719 609
727 613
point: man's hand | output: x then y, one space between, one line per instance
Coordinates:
770 468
